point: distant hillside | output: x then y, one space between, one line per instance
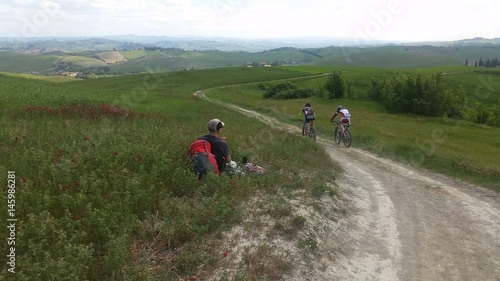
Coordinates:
111 57
53 56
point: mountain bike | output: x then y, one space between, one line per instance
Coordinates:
344 134
310 131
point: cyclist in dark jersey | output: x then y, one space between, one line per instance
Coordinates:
309 116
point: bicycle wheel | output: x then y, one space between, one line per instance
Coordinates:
336 135
312 133
347 137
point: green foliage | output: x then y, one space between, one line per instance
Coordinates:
103 192
309 245
287 90
299 221
319 190
482 114
335 85
295 94
417 94
274 90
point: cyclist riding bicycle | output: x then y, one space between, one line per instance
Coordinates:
345 117
309 116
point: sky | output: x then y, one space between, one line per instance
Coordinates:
364 20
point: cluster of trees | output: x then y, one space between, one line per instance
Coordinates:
93 72
334 86
489 63
426 95
418 94
154 48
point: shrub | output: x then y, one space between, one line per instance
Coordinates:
295 94
417 94
272 91
288 90
335 85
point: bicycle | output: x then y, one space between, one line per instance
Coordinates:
310 131
344 135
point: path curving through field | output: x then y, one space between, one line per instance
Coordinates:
405 223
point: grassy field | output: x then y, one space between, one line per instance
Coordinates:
453 147
101 188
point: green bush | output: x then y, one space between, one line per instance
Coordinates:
295 94
335 85
288 90
417 94
272 91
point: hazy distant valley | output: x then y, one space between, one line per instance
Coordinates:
118 55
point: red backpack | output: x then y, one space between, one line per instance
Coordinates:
201 158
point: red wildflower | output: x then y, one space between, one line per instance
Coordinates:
226 252
64 188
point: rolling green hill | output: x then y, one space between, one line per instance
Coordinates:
170 59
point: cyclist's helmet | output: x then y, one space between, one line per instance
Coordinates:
308 105
339 107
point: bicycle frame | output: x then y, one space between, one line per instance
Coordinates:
310 131
344 135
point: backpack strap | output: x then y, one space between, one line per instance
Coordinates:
205 145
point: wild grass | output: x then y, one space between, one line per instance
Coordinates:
103 193
102 190
456 148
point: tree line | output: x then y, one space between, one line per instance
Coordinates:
488 63
419 94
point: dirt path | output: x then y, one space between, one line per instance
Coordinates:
404 223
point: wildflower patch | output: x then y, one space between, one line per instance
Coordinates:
87 111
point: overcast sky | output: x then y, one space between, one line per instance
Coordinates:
394 20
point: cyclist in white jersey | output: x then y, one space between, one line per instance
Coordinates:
345 116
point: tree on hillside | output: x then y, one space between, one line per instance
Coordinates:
335 85
494 63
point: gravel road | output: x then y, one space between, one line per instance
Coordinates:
407 224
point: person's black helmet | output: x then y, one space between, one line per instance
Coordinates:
308 105
339 107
